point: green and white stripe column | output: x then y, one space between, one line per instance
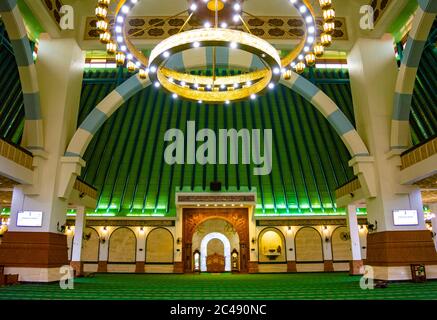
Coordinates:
422 23
33 129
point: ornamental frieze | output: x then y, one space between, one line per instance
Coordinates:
267 28
306 222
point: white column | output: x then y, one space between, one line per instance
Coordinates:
373 77
373 72
60 73
327 248
79 227
433 209
352 221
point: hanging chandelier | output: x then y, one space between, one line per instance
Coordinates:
223 26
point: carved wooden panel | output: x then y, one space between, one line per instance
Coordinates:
265 27
215 263
379 8
54 8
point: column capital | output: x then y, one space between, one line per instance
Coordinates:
364 169
70 169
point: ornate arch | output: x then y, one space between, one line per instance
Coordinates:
33 138
400 123
238 218
111 236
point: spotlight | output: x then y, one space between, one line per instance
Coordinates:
233 45
175 96
166 54
253 96
271 85
237 7
236 18
207 25
303 9
196 44
125 9
193 7
157 84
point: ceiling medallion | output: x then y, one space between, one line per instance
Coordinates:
221 26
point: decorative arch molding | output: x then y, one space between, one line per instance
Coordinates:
33 138
72 162
400 124
362 162
297 247
132 233
280 235
334 247
204 245
148 241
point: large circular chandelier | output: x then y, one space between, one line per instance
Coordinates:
223 26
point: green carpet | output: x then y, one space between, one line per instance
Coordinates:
314 286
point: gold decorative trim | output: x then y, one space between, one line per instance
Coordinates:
348 188
418 154
15 154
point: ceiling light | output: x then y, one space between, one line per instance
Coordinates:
157 84
207 25
166 54
237 7
236 18
253 96
125 9
152 69
271 85
233 45
223 25
311 29
120 19
196 44
175 96
193 7
303 9
309 19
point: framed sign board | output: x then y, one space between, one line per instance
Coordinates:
405 218
29 219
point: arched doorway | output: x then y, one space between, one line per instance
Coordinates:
237 218
205 251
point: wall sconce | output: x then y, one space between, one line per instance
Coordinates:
142 230
178 241
69 231
372 227
103 238
253 240
326 239
61 229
